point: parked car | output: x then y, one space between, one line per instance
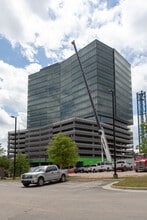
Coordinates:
43 174
141 165
85 169
93 168
123 165
108 166
104 166
78 169
99 167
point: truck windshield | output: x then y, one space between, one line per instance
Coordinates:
38 169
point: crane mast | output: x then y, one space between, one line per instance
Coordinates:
100 128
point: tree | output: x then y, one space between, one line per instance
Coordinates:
4 162
62 150
22 164
143 145
3 159
2 151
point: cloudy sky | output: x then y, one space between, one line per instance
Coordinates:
34 34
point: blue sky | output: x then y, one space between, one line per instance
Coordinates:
11 55
35 34
14 56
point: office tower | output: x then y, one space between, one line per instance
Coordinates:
58 92
58 102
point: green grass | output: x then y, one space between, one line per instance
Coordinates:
133 182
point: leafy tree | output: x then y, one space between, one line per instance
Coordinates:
143 145
4 162
22 164
62 150
2 151
3 159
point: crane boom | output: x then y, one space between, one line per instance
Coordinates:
100 128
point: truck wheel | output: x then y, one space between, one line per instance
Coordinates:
40 181
63 178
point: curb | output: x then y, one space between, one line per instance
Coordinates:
125 187
110 186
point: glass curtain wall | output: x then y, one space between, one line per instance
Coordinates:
44 97
105 75
58 92
123 88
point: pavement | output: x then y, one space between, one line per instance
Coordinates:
74 200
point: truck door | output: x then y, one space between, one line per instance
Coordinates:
56 173
52 173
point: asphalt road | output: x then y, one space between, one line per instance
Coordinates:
71 200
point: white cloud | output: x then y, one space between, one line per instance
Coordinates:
13 96
13 87
52 25
134 129
139 76
32 68
134 16
4 122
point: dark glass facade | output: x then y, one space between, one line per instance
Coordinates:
97 62
123 89
58 92
44 97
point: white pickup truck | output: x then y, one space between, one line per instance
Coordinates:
43 174
124 165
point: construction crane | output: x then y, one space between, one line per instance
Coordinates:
100 128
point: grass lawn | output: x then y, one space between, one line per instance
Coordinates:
140 181
131 181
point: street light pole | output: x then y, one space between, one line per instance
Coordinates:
114 141
14 169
